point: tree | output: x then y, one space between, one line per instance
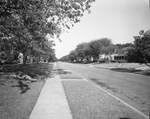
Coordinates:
91 49
121 46
87 52
108 49
72 55
28 22
141 50
81 50
64 58
97 45
133 55
49 52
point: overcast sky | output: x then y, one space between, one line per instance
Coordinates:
118 20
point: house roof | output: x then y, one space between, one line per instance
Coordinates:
123 51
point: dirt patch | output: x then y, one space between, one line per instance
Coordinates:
67 74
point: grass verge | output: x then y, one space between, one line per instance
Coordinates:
132 70
18 97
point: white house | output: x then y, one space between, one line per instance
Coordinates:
20 58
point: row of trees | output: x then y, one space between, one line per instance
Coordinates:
138 52
27 25
94 49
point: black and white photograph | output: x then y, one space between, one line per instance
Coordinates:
74 59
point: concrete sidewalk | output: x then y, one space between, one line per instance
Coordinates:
52 102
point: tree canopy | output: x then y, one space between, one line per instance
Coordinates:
86 50
140 52
97 45
27 23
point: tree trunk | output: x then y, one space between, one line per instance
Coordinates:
37 59
24 59
97 59
147 64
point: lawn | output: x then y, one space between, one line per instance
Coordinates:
126 67
18 96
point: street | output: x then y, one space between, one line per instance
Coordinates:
133 89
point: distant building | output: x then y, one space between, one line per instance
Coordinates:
103 57
20 58
121 54
118 55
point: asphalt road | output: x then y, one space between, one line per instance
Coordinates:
134 89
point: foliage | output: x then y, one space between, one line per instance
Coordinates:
93 49
97 46
81 50
121 46
28 22
141 50
132 56
108 49
72 55
64 58
6 45
87 50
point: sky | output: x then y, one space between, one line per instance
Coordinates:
118 20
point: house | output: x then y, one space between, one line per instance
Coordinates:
103 57
20 57
118 55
